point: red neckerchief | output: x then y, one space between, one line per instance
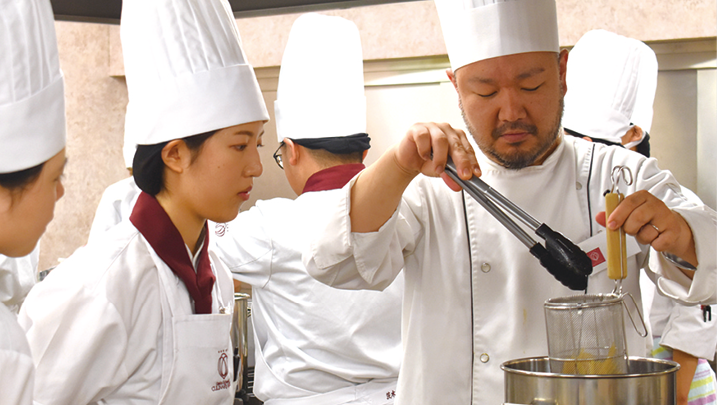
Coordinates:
333 177
155 225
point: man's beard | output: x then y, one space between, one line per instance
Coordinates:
516 160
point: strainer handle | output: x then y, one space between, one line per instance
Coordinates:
642 320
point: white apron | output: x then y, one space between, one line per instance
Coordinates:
199 368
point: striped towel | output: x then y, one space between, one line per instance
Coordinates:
702 389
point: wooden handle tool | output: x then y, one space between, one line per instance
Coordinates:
616 246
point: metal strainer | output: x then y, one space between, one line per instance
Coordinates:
586 334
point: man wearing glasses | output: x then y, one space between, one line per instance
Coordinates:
314 344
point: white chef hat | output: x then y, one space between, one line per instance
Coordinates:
646 88
475 30
321 86
605 71
186 71
32 101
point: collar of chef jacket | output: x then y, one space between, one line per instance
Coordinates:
333 177
158 229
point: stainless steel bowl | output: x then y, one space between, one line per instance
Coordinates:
648 381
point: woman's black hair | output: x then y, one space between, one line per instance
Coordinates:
148 166
17 181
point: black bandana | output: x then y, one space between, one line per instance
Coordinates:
339 145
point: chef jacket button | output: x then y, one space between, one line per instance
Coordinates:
485 267
578 186
484 358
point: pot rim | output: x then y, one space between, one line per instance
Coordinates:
506 367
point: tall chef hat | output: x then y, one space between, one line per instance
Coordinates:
646 88
475 30
32 101
604 74
186 71
321 85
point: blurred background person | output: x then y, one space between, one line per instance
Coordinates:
611 88
314 344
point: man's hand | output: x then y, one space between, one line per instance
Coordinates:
650 221
426 147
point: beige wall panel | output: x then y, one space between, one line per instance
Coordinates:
707 136
673 139
646 20
95 121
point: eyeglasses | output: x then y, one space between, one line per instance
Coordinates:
277 156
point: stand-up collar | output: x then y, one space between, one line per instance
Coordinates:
333 177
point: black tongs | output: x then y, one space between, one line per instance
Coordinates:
563 259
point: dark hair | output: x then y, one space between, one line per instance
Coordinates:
17 181
148 166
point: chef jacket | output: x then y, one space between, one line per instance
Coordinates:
474 295
101 326
17 276
310 339
17 372
115 206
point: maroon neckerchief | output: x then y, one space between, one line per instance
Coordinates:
154 224
333 177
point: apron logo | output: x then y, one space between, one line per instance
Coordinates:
223 369
223 366
596 256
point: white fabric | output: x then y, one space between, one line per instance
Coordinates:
310 339
115 206
17 276
604 74
105 327
484 29
683 327
32 102
447 269
321 89
17 372
186 71
646 88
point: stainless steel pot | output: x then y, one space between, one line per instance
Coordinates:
239 337
648 381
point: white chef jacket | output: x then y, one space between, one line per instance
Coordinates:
474 300
96 324
17 372
115 206
17 276
310 338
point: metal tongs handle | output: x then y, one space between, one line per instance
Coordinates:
562 258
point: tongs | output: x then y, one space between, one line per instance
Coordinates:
561 257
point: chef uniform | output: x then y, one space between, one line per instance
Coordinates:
33 130
134 317
473 293
314 344
118 199
115 206
611 75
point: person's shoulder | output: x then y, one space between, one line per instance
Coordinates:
103 257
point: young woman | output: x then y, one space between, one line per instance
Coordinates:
32 159
142 315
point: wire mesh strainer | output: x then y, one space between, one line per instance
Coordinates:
586 334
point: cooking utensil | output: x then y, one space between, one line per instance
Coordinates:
647 381
239 337
616 242
561 257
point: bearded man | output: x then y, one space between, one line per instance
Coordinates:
473 293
